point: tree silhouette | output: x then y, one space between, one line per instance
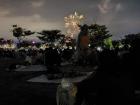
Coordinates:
2 41
97 33
21 33
118 44
131 37
51 36
133 40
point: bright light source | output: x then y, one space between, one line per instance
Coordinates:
99 49
33 42
72 22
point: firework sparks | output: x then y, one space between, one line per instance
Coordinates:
71 23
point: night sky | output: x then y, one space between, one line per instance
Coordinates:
120 16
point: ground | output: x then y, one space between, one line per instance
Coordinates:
15 90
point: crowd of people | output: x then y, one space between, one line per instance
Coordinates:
50 56
7 53
116 78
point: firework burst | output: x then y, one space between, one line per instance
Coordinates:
71 23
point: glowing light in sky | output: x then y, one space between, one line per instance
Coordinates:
71 23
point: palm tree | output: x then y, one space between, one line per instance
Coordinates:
51 36
21 33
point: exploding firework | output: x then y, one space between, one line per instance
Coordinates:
71 23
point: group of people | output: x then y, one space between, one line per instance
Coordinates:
50 56
5 53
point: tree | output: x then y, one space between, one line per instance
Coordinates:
21 33
131 37
51 36
117 44
97 33
1 40
108 43
133 40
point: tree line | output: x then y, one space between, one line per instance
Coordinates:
99 36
